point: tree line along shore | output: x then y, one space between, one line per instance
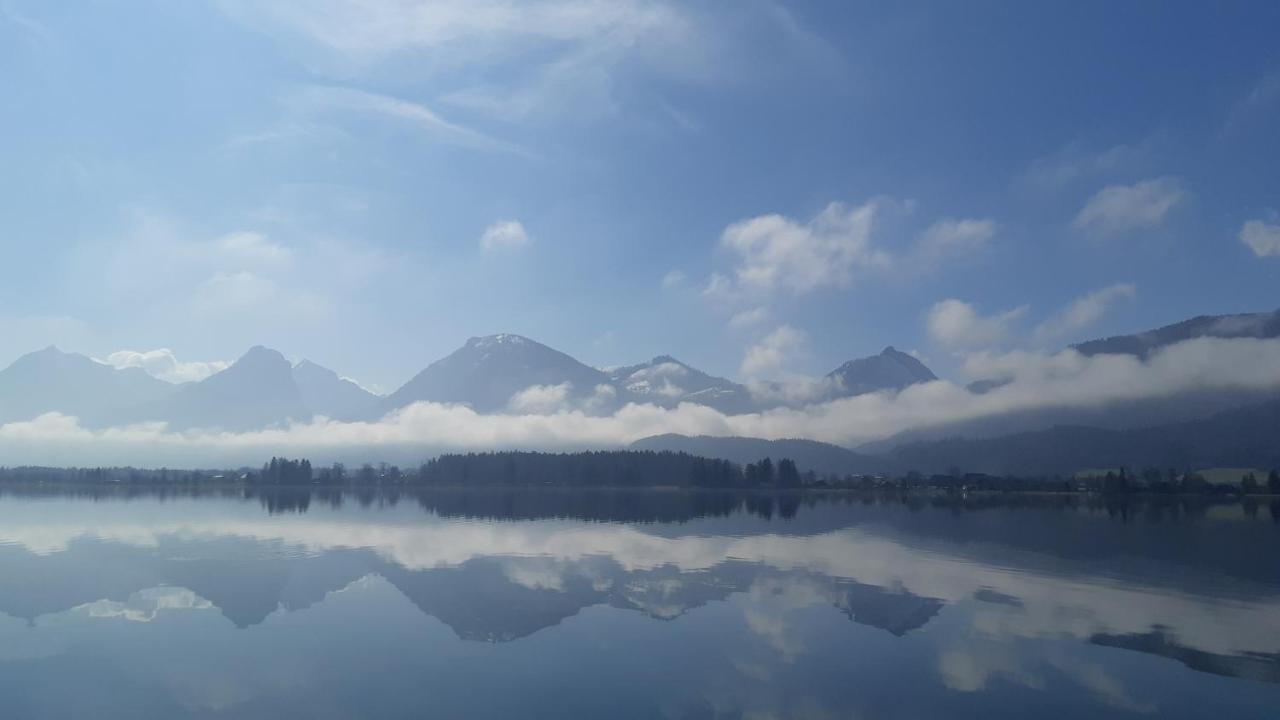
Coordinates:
636 469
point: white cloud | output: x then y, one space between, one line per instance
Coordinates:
1122 208
503 235
603 398
1254 107
1263 238
520 60
673 279
322 98
749 318
719 289
164 365
235 292
955 324
159 256
245 294
950 238
248 283
552 399
773 353
506 59
1075 162
541 399
470 31
252 250
1083 311
774 252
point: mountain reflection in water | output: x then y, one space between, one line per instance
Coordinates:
229 604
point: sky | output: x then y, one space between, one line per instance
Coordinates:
762 189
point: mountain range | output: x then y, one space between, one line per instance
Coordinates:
508 373
1244 325
668 382
1245 437
490 374
260 389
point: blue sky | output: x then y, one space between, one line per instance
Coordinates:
762 189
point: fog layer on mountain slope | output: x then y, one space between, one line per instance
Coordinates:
1065 379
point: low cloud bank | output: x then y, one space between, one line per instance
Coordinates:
164 365
1035 381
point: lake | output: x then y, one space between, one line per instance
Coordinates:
634 604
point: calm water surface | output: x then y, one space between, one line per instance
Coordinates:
634 605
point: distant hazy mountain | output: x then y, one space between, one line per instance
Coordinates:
487 372
51 380
1242 437
1249 325
1120 415
890 370
491 374
323 392
666 381
820 457
257 391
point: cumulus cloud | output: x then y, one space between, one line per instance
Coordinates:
163 364
252 249
773 353
1075 162
749 318
504 235
550 399
1263 238
602 399
247 278
951 238
674 278
774 252
1084 311
956 325
1122 208
720 289
543 399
